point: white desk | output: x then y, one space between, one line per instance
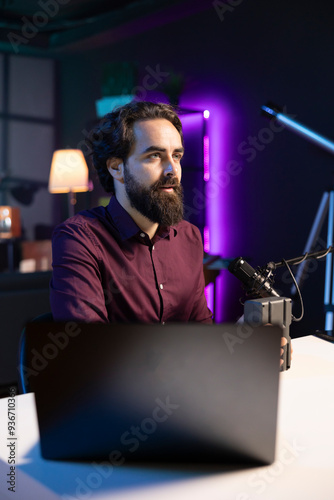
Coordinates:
304 467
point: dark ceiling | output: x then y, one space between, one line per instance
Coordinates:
55 25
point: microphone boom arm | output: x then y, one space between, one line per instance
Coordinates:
298 260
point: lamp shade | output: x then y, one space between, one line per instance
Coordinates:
69 172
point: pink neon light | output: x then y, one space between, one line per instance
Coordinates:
206 158
218 196
206 238
208 292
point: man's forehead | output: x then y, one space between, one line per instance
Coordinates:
153 131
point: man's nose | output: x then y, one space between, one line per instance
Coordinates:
170 170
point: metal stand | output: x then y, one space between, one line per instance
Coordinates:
326 206
271 111
274 310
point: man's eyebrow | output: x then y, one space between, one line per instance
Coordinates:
161 150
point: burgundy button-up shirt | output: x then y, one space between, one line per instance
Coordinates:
106 269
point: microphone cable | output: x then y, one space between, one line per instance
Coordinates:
299 293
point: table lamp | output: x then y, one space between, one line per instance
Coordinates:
68 174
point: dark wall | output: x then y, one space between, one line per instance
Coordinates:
279 50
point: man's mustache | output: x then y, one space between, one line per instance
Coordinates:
172 182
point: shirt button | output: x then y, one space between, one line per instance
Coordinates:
161 286
163 323
142 235
153 247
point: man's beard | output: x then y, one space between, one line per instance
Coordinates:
158 206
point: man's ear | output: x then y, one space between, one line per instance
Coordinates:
115 167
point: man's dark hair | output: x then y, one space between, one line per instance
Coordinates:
114 137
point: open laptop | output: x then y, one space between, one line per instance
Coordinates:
180 393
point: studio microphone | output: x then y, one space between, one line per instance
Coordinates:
254 281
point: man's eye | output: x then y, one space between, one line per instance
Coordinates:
155 155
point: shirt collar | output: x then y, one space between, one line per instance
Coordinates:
166 231
127 227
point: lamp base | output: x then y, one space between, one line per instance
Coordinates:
72 201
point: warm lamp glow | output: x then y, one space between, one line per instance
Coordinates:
69 172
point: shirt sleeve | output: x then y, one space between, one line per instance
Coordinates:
76 290
200 313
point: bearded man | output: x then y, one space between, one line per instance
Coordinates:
135 260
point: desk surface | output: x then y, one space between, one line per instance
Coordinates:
304 466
